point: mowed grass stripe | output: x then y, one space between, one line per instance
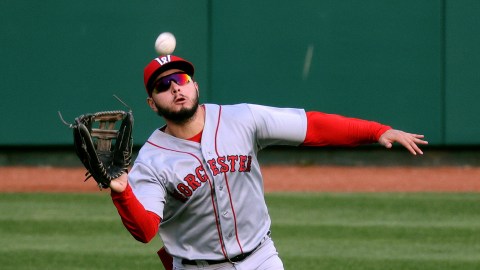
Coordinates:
311 231
68 231
377 231
407 209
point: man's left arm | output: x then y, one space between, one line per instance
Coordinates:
336 130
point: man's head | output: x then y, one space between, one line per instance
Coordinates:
172 92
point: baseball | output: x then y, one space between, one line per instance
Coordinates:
165 43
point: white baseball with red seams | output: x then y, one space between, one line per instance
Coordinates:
210 194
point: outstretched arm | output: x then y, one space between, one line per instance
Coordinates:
336 130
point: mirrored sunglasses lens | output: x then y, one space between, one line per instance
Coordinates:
163 84
180 79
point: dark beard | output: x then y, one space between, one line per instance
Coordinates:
180 117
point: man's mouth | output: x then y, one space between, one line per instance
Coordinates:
180 100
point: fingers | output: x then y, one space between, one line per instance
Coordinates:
411 142
414 149
408 140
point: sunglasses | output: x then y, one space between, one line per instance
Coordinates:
163 84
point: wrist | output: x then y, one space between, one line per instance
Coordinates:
119 184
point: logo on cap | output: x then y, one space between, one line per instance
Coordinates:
163 60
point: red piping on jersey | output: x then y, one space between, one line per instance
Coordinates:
211 194
226 182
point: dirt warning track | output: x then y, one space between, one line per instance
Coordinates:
278 178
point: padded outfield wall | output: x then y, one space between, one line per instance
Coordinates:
410 63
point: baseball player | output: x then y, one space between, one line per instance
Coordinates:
197 182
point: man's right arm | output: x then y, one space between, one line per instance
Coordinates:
143 225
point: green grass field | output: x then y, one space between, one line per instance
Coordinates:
311 231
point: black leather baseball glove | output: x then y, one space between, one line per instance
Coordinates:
106 152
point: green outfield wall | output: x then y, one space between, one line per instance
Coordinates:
410 64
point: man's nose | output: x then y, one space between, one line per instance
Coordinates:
174 86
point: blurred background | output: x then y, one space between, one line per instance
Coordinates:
410 64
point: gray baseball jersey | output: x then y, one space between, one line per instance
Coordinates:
210 195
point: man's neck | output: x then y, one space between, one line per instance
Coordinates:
188 129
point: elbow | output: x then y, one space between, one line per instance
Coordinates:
143 238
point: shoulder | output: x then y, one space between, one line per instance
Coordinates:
254 112
226 107
238 107
216 110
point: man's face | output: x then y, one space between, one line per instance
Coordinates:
175 96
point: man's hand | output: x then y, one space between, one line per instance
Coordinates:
119 184
408 140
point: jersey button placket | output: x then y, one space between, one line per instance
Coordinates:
222 201
226 217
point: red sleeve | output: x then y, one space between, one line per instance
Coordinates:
335 130
142 224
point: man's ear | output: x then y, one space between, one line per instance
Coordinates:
196 87
151 104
